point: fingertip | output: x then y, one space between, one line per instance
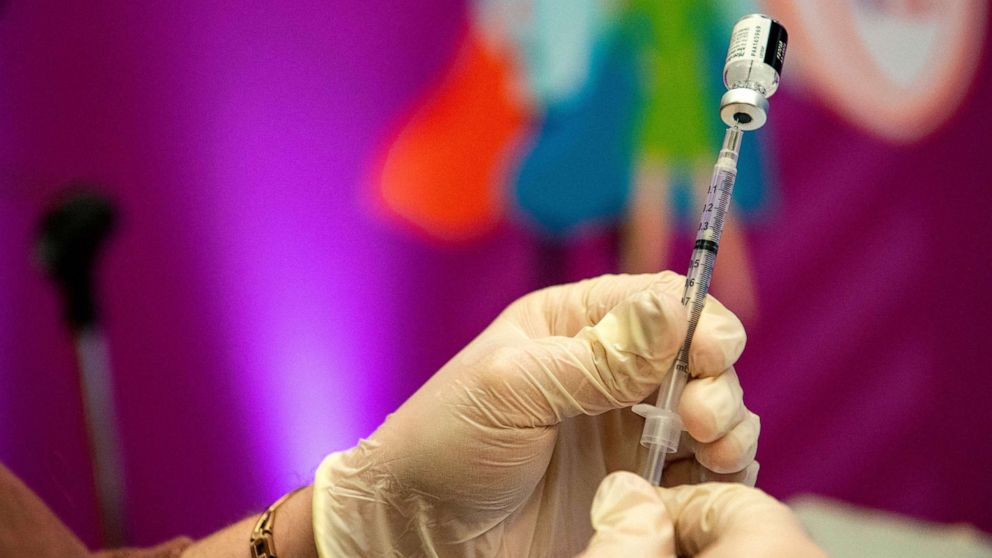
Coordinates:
718 341
650 324
618 495
629 516
600 295
734 451
622 482
712 406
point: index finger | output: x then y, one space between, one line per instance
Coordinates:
564 310
718 341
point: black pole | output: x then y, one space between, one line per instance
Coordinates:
71 236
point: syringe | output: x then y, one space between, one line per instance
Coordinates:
662 424
751 74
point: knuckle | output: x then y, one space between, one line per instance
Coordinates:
502 361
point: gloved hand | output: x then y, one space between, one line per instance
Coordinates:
501 451
712 520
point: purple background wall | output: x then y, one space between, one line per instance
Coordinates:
260 315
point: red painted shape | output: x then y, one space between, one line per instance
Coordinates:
443 172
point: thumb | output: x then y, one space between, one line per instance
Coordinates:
610 365
716 520
630 519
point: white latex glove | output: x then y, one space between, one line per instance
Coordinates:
501 451
712 520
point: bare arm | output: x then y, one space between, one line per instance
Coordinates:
292 533
28 527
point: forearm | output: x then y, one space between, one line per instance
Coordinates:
292 533
28 527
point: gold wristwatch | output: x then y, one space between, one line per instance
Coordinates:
262 543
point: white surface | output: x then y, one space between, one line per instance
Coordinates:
846 530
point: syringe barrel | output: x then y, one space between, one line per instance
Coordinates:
662 424
697 279
671 391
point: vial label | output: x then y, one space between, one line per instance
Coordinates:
758 39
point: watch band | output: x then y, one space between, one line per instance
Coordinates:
262 543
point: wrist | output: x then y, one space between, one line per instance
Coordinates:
359 509
263 541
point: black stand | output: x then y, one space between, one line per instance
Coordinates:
71 235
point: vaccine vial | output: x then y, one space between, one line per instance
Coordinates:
752 70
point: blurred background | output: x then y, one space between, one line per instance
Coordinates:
318 203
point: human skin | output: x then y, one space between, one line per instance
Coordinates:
28 527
